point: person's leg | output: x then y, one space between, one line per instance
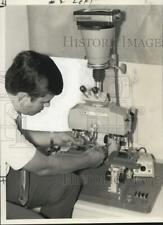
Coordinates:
14 210
55 194
13 186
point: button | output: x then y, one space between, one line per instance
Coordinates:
143 168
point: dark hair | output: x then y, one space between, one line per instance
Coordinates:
28 70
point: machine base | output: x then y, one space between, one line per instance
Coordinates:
138 194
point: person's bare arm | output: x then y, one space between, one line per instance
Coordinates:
42 138
63 162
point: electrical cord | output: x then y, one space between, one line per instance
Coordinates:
142 148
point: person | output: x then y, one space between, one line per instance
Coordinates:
35 179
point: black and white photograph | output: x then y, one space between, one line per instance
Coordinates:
81 111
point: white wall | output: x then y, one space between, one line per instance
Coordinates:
146 94
17 35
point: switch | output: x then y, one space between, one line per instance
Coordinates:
146 196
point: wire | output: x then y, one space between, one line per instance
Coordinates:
142 148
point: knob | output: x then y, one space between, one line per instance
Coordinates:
95 90
143 168
83 89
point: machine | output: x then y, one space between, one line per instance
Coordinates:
99 116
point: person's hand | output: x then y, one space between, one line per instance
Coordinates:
96 156
66 139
